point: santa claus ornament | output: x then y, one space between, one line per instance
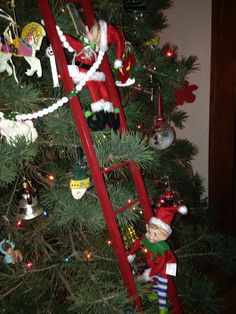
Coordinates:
161 261
124 74
84 68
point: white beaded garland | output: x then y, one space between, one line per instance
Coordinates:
45 111
40 113
62 38
35 115
50 109
60 103
78 87
65 99
59 32
66 45
24 116
82 82
29 116
54 107
70 49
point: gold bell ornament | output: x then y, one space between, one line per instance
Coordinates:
29 207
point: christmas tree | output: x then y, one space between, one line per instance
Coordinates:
57 254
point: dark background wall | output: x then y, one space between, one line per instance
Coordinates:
222 173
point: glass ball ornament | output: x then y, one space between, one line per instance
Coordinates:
163 136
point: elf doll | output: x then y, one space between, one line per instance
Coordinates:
101 35
159 258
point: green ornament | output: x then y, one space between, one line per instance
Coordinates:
79 183
73 93
10 116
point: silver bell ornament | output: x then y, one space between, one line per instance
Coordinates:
28 207
163 134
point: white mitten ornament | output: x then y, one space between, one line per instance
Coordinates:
131 258
12 130
145 275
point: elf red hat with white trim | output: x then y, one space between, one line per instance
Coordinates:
165 215
110 35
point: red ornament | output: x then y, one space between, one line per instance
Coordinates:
138 87
124 73
168 198
185 94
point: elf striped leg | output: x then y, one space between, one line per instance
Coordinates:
160 287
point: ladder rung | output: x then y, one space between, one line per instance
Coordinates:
121 209
123 164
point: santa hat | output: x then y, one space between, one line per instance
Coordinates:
112 36
165 215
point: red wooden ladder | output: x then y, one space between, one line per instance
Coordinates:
96 172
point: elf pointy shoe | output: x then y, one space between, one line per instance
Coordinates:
163 310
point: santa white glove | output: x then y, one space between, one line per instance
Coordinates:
118 64
146 275
131 258
11 130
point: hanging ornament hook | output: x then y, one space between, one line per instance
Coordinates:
15 26
80 156
164 134
159 108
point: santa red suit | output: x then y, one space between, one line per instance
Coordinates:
84 58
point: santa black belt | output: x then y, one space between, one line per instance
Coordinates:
83 65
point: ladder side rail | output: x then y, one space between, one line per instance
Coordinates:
175 304
141 190
89 16
86 141
140 187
